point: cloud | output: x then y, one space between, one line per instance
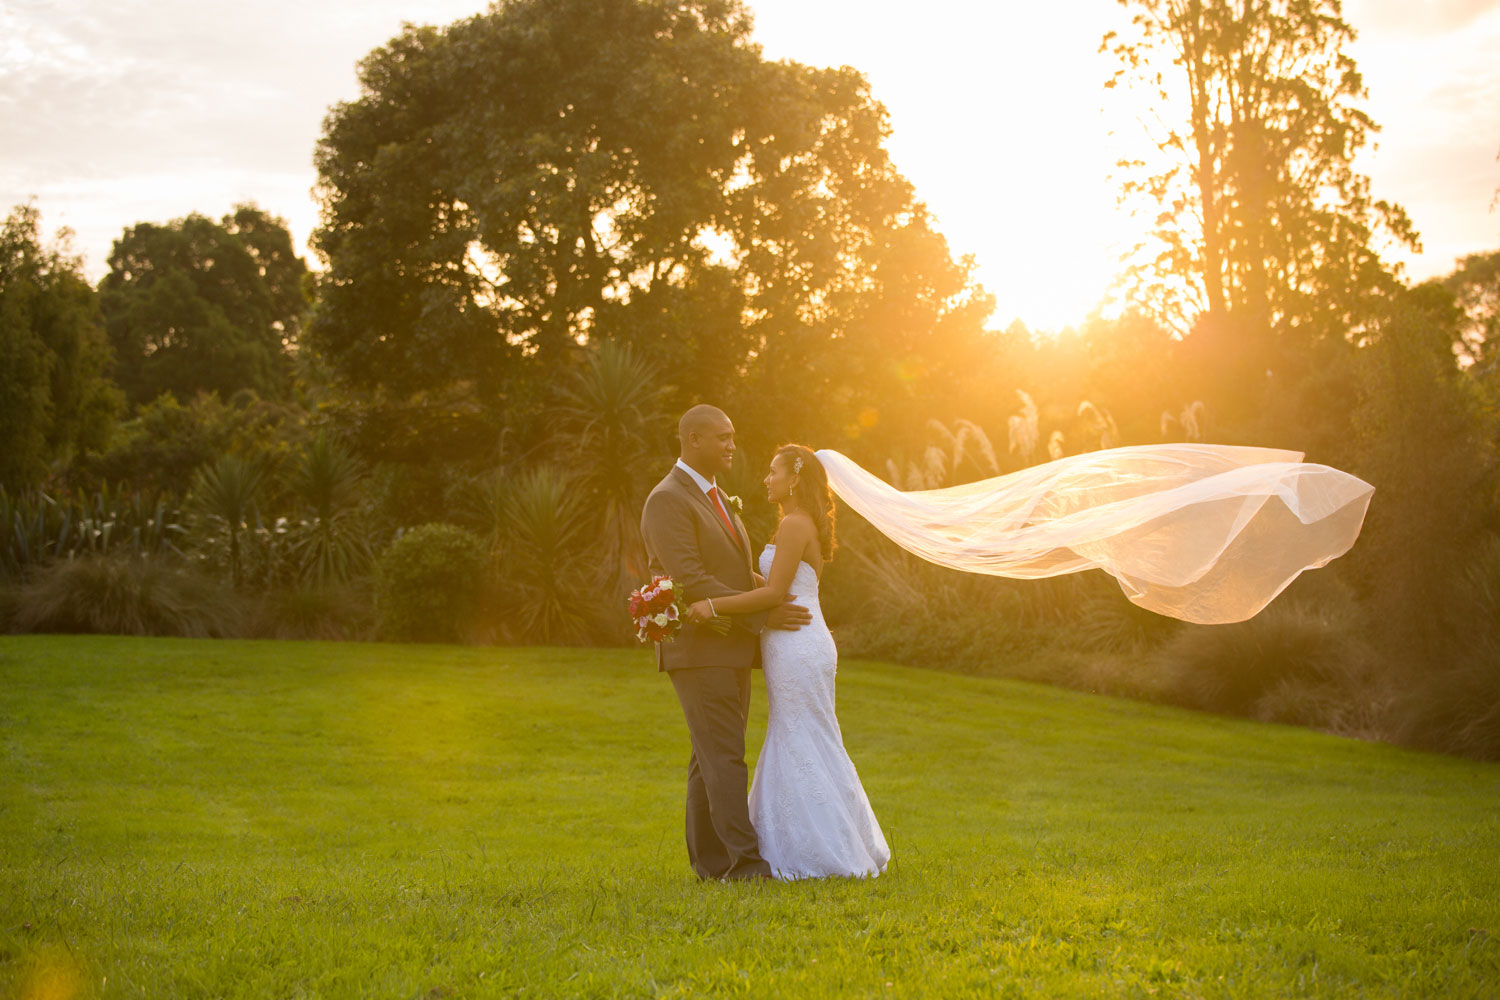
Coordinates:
1437 98
1394 17
130 111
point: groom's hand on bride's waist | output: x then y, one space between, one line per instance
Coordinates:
789 617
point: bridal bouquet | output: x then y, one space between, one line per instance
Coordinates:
658 611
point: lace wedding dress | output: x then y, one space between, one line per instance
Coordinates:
810 812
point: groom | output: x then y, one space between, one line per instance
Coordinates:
693 535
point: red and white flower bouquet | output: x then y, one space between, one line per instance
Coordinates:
659 610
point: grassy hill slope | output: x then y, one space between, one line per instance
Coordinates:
256 819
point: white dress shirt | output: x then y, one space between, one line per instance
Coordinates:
706 485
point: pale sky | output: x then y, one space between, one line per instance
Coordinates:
127 111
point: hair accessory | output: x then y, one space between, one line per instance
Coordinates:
797 466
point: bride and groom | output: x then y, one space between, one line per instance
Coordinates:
806 816
1205 533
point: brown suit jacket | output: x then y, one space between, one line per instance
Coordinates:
688 541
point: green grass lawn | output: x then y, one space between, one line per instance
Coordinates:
259 819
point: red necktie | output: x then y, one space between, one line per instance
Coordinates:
714 492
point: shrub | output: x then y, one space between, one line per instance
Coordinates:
10 597
37 528
1102 619
1456 708
398 496
267 553
311 612
125 595
1427 439
167 442
975 642
1293 662
428 584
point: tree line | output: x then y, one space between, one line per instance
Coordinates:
549 228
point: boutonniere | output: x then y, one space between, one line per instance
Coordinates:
737 504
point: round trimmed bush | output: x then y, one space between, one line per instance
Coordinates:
428 584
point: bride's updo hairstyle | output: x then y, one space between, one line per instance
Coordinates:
811 492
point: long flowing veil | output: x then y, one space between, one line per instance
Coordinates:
1201 532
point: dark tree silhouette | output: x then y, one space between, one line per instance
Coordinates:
55 396
1263 220
559 171
195 305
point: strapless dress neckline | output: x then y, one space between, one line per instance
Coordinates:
771 547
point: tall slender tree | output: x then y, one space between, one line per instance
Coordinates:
1263 224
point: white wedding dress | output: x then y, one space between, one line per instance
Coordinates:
810 812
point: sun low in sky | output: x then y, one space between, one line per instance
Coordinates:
116 113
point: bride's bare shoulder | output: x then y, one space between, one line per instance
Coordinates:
797 526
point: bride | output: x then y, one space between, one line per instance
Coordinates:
809 810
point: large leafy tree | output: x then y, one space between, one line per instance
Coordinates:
284 274
556 171
1264 227
196 305
55 395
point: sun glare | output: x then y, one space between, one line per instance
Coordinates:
997 116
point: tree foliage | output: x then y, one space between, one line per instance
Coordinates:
1427 438
558 171
1475 285
283 273
1263 222
55 396
196 305
165 442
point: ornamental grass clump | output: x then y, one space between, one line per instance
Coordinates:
126 594
1290 663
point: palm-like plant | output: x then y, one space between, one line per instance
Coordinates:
608 417
331 547
224 493
545 565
